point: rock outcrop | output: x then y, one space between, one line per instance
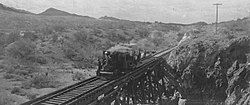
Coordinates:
238 89
211 69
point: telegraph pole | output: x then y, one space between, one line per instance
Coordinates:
216 23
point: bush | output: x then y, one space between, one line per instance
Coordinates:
2 66
78 76
20 55
18 91
5 99
17 71
30 36
26 84
31 96
8 76
20 49
14 76
41 81
21 72
21 92
41 60
12 37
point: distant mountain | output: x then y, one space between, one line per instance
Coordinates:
199 23
109 18
56 12
6 8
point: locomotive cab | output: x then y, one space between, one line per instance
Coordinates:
116 63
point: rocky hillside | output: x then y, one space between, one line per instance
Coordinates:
213 68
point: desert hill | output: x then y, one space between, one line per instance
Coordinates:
56 12
109 18
3 7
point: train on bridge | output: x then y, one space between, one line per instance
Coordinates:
119 60
146 83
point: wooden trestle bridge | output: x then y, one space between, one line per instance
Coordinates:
147 84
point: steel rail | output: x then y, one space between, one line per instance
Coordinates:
61 91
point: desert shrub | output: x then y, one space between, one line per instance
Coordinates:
142 32
30 35
41 60
41 80
85 63
18 91
21 58
20 49
146 44
229 36
81 36
2 66
8 76
21 72
5 99
31 96
12 37
13 76
45 30
20 69
59 28
10 65
19 78
26 84
1 51
78 76
69 53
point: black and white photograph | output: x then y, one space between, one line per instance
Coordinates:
124 52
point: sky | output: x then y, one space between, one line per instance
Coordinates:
168 11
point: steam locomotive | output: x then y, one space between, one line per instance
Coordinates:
117 61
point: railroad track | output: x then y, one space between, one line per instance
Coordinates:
69 93
88 91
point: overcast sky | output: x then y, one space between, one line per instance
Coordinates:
173 11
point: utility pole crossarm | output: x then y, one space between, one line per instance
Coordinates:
218 4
